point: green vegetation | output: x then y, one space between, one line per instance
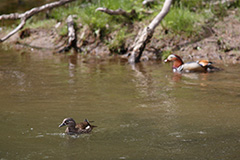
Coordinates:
63 30
186 18
41 24
183 21
86 13
166 53
117 44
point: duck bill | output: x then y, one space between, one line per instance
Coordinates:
61 125
166 60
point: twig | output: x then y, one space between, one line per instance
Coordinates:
26 15
20 26
117 12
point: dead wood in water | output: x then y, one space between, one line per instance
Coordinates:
118 12
144 37
26 15
72 38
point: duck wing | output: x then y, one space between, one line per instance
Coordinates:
83 125
208 66
192 67
204 63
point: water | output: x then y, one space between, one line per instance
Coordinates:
11 6
142 112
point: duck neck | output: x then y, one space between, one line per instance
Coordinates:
177 63
72 129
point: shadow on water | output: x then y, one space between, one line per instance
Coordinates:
143 111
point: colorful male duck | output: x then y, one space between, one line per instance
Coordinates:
198 66
73 128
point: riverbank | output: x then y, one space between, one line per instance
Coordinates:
100 35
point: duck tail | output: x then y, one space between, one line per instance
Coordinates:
86 120
92 126
212 68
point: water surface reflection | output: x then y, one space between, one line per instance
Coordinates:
142 111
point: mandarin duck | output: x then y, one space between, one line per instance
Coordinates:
198 66
73 128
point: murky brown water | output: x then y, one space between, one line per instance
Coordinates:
142 111
10 6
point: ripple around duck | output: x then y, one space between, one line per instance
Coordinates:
64 135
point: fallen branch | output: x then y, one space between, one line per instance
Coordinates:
26 15
222 2
145 35
72 38
20 26
118 12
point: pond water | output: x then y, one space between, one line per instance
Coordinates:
11 6
142 112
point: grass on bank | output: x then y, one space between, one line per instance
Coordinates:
182 21
185 18
48 23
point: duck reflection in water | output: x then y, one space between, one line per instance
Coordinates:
176 77
73 128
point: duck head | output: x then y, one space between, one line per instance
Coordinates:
177 61
68 122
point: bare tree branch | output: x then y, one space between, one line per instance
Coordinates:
117 12
155 22
20 26
146 34
10 16
26 15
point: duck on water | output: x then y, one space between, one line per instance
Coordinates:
73 128
197 66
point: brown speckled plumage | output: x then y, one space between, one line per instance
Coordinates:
73 128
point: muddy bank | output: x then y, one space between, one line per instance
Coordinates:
221 46
219 43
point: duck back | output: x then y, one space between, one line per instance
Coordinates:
192 67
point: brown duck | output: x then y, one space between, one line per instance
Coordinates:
73 128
